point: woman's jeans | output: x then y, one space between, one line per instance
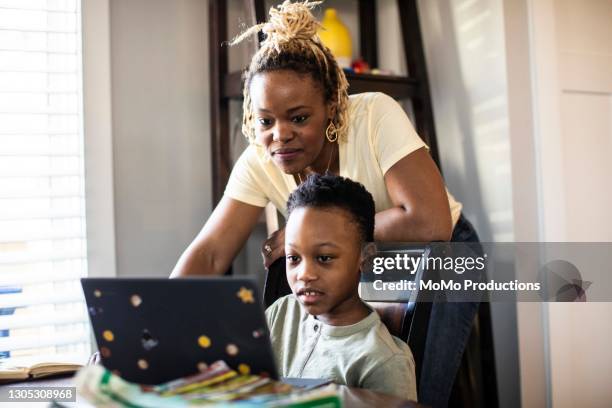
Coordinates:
450 324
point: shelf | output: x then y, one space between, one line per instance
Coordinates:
395 86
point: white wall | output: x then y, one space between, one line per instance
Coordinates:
161 143
99 182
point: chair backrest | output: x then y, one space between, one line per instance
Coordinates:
396 316
276 285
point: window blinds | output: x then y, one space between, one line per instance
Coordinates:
42 203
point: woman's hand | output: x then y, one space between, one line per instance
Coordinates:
273 247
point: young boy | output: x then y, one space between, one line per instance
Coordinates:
323 329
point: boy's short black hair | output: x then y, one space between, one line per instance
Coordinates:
326 191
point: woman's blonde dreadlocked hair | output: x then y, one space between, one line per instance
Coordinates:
291 43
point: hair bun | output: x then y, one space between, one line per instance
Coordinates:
291 21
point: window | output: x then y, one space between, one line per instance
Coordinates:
42 201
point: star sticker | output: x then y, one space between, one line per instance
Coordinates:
246 295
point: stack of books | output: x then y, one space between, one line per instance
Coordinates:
217 385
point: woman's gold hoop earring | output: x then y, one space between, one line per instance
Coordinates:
331 133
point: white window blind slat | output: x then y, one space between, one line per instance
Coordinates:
55 298
65 5
40 192
26 320
42 206
40 155
33 174
36 341
38 166
36 61
37 195
12 47
40 215
38 42
40 103
43 237
40 20
39 144
38 124
13 259
38 82
66 270
49 229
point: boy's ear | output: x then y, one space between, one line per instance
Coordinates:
367 252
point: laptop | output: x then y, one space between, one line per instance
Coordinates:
150 331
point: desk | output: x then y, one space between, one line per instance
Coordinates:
351 397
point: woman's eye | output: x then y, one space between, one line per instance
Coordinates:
300 119
324 258
264 121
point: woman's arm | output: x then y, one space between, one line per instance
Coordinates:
420 210
225 232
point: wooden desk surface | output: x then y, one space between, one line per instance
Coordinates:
351 397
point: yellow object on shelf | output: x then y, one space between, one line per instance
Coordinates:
335 35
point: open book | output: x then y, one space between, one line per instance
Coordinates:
36 371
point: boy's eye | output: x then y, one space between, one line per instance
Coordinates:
292 259
324 258
299 119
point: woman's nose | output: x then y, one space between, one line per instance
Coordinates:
282 132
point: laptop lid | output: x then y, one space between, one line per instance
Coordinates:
151 331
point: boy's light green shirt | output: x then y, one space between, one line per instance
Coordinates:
362 355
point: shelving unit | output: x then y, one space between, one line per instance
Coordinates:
227 86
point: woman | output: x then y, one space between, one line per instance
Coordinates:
299 120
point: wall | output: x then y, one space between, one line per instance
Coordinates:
97 126
161 147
